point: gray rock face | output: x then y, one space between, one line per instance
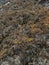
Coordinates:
47 5
3 1
17 61
6 31
5 63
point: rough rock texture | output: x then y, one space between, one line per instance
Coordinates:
24 32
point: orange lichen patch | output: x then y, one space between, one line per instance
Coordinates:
46 25
36 30
32 25
3 53
45 21
43 10
46 12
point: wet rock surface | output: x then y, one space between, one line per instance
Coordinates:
24 32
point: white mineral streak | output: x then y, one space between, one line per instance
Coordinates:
7 3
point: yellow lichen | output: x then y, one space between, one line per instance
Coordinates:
16 41
30 39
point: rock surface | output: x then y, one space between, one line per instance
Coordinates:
24 32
